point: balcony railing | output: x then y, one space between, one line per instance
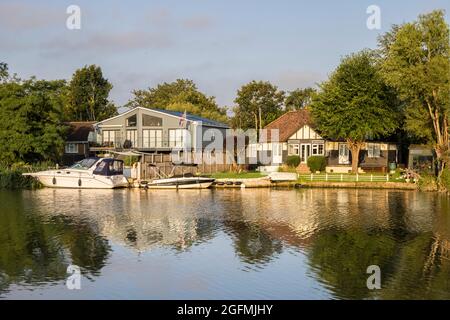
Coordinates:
141 144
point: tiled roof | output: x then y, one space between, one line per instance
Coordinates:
79 131
288 124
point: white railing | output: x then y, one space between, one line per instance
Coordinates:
344 177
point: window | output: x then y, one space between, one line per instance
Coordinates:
71 148
152 138
132 137
344 154
373 150
293 149
109 137
151 121
132 121
317 149
176 138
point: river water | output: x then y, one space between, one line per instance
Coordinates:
224 244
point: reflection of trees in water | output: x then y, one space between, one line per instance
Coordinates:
412 252
341 257
33 250
253 244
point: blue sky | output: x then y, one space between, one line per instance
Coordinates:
220 45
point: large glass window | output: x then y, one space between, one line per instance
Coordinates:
176 138
132 137
151 121
132 121
109 137
152 138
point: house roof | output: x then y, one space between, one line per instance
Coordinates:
79 131
177 114
288 124
191 117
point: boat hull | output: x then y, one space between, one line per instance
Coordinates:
80 181
205 185
181 183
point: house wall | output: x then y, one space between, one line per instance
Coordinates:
82 153
305 132
119 125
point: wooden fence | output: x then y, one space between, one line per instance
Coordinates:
344 177
160 165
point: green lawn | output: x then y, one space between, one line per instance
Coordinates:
234 175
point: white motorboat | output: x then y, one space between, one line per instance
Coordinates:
90 173
190 182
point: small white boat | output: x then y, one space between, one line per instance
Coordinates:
90 173
180 183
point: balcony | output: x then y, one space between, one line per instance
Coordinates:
145 144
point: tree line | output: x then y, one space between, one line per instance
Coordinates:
37 111
401 86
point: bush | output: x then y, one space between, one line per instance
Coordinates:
11 176
316 163
445 179
427 182
293 161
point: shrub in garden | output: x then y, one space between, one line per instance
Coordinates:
316 163
445 179
293 161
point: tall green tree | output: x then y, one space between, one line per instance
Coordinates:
355 104
180 95
299 99
3 72
257 104
416 62
87 96
32 129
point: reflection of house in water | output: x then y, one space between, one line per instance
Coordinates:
126 217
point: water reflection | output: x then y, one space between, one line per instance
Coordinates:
326 239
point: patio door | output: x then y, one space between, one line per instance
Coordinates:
344 154
305 152
132 137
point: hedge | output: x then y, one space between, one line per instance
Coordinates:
293 161
316 163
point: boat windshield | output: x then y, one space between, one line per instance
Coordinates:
84 164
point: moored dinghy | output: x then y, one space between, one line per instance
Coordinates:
180 182
90 173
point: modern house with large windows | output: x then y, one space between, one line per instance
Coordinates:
154 130
296 135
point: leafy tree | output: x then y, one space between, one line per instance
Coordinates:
416 62
355 104
180 95
32 130
299 99
87 96
3 71
257 104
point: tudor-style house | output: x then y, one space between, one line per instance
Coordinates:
297 136
154 130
